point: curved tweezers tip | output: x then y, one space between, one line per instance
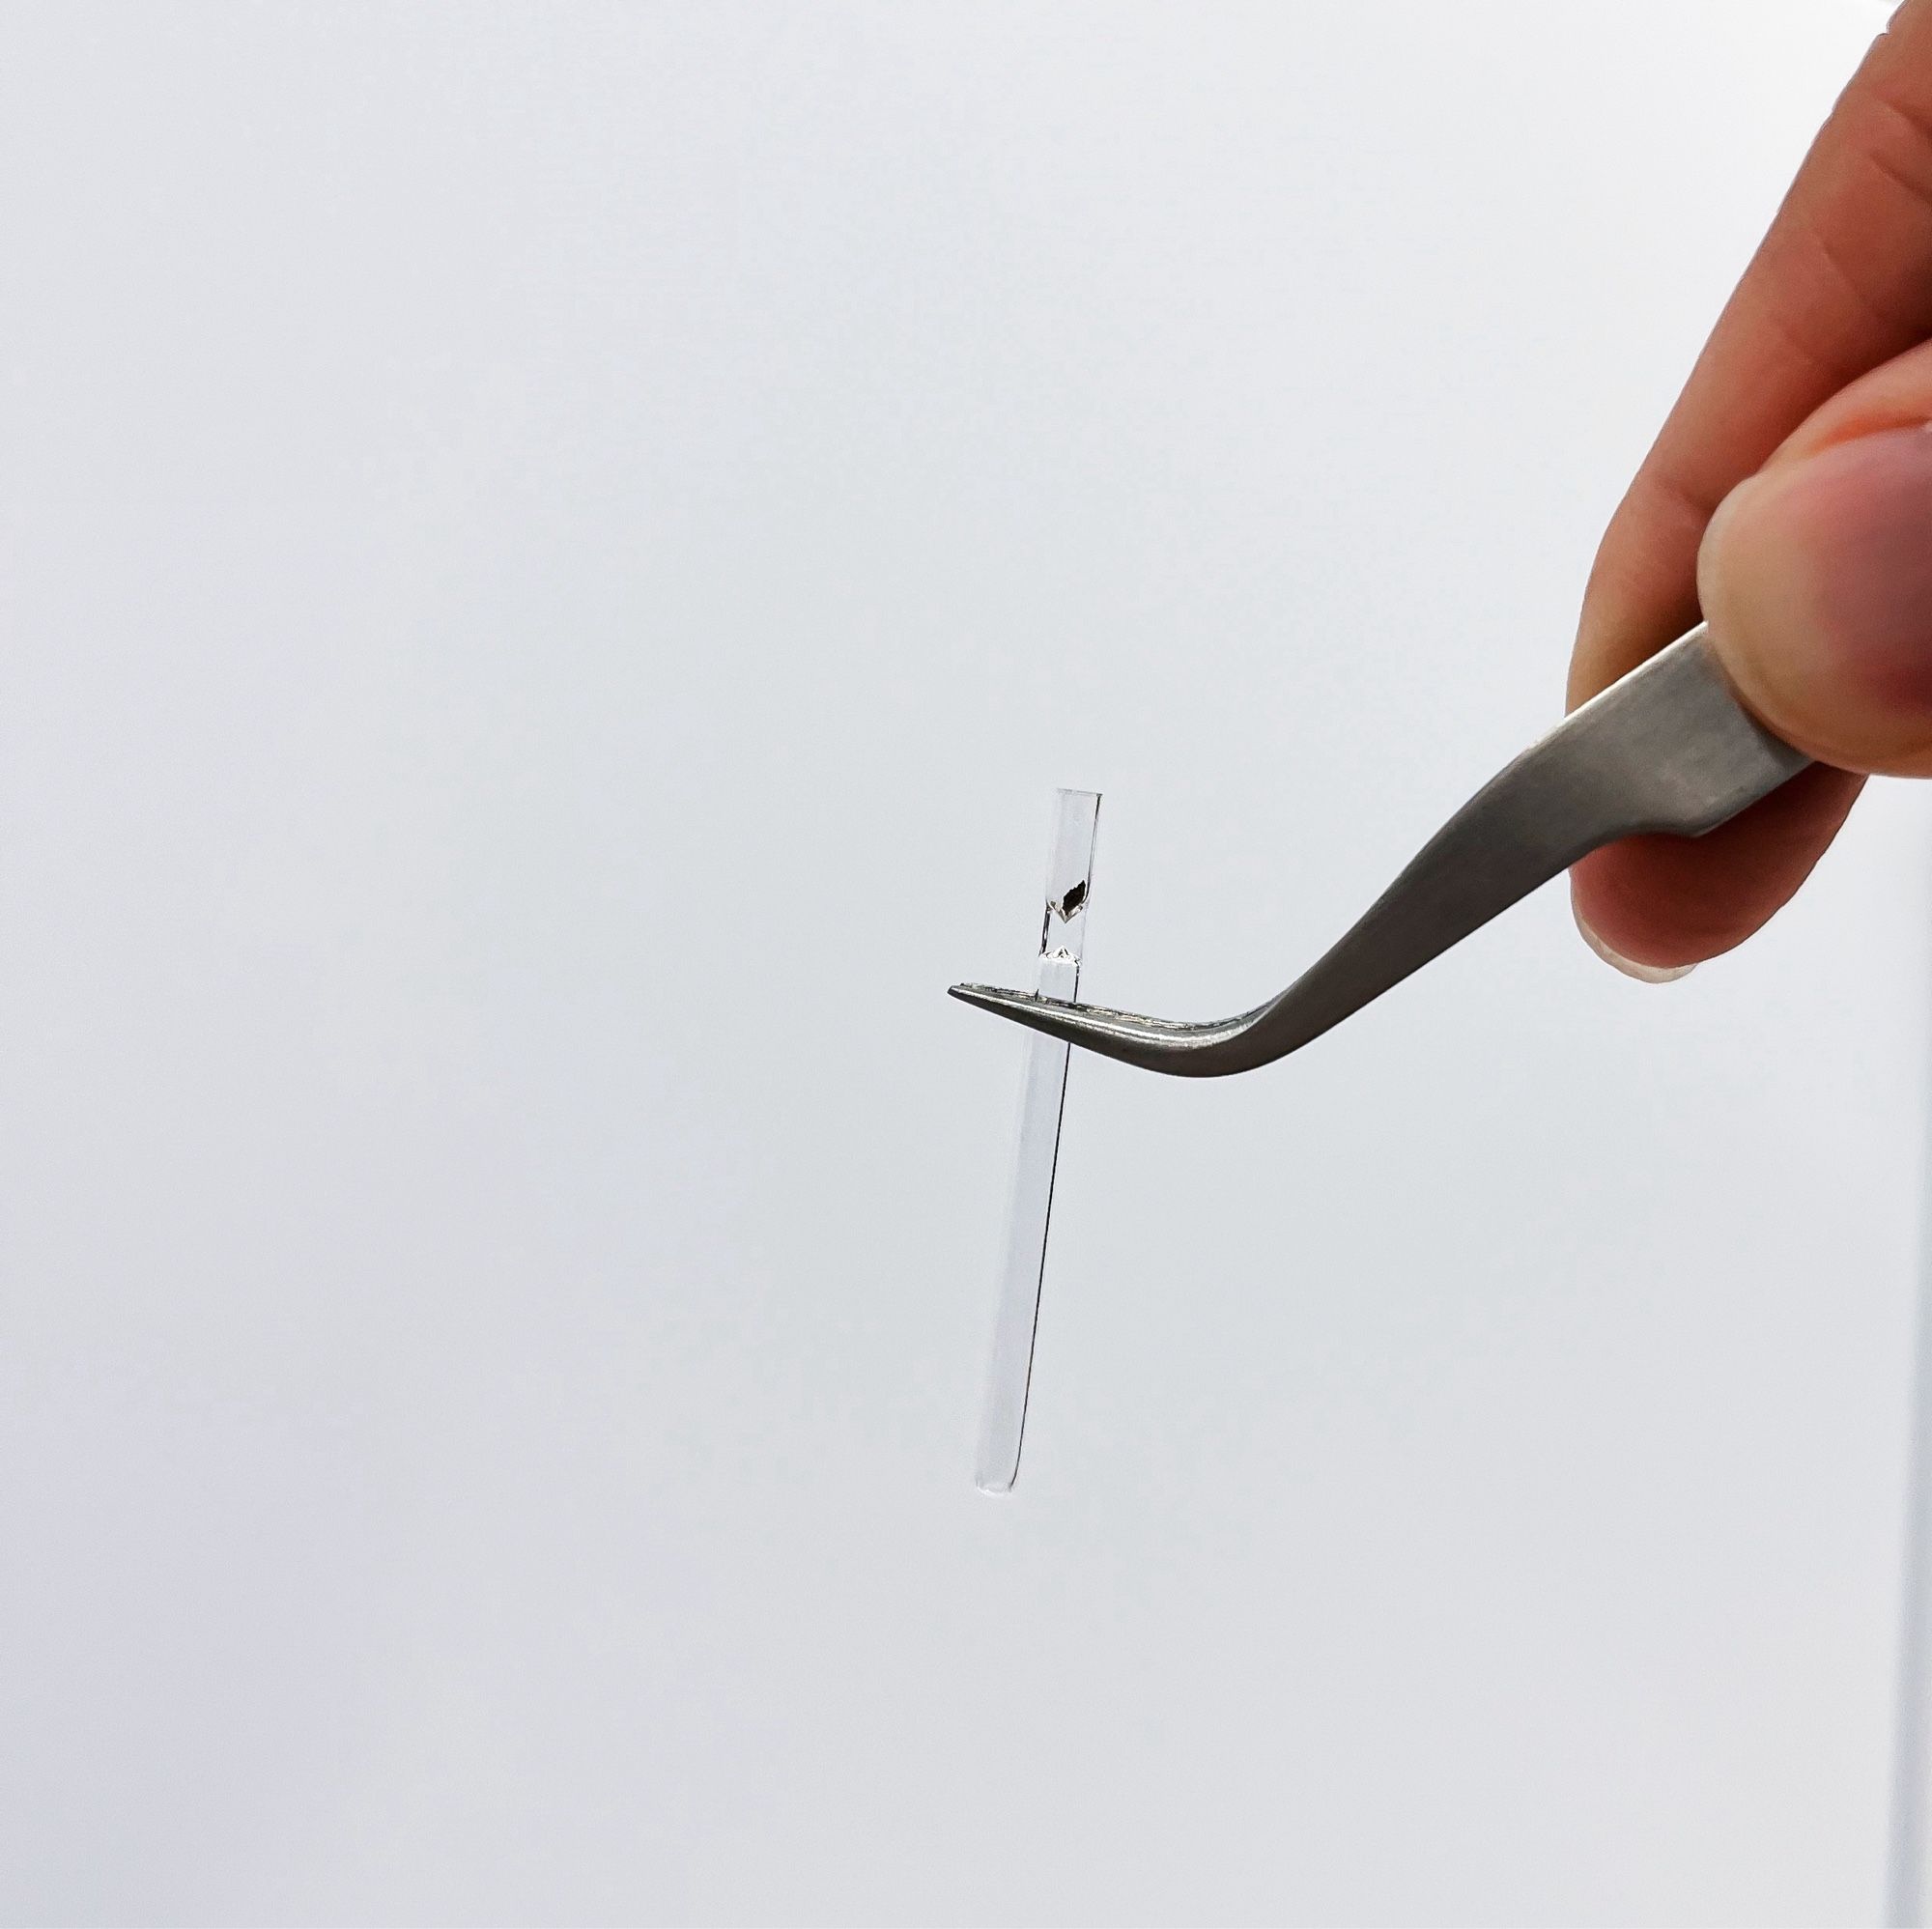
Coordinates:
1052 1015
1669 749
1056 1015
1162 1044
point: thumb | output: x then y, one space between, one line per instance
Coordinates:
1815 577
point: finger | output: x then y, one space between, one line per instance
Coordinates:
1663 903
1816 579
1841 284
1666 900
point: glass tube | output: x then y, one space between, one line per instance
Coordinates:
1907 1846
1062 936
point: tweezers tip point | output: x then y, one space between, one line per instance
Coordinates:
990 997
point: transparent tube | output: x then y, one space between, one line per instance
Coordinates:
1907 1849
1070 875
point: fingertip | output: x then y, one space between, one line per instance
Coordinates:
1663 903
1630 968
1816 581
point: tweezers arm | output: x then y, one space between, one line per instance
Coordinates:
1667 749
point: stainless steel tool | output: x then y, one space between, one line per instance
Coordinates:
1668 748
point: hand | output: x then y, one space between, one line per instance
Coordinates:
1789 496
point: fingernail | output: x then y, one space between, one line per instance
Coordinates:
1816 580
1644 973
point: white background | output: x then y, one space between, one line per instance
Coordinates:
553 558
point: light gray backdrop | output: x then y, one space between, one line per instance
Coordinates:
553 556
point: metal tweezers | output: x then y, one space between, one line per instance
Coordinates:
1667 749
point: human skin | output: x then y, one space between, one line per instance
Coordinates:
1788 497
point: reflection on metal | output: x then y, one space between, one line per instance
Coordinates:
1669 748
1063 938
